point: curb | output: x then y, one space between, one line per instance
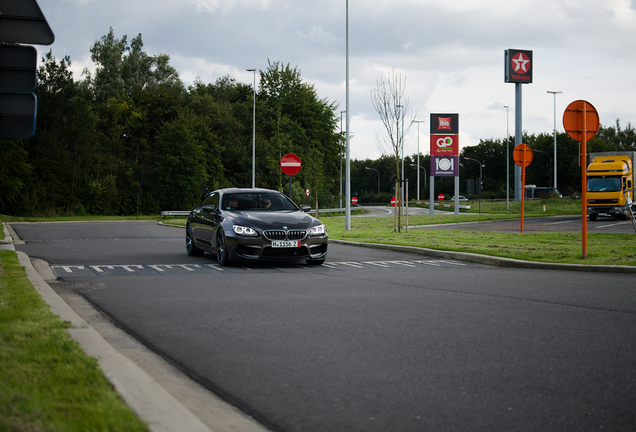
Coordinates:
491 260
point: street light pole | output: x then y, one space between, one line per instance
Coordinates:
480 178
507 159
378 177
341 113
418 157
254 132
555 137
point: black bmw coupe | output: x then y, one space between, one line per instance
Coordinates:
254 224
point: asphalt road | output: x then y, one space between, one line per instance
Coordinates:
370 341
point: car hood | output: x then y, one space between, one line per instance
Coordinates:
266 220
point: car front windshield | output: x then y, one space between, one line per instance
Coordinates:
603 184
257 201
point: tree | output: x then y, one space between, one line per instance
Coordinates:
392 107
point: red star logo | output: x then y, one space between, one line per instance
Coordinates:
521 64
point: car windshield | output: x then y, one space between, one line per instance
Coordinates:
603 184
257 201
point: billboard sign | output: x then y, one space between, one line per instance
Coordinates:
518 66
444 166
445 124
444 145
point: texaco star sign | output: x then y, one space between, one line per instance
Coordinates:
518 66
520 63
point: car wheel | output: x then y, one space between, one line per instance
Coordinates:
221 249
191 248
592 217
315 261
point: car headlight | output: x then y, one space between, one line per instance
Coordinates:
317 230
244 231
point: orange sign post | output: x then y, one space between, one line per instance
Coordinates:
522 156
581 122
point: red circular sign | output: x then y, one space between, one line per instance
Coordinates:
394 201
354 200
440 197
520 63
290 164
575 115
522 155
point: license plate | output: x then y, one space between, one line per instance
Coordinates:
285 243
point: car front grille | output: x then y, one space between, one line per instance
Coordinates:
285 235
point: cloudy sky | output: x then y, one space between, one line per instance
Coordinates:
450 53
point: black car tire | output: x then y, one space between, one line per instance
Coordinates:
315 261
191 248
221 249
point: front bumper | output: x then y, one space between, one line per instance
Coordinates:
259 248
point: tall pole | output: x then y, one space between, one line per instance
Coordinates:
555 137
378 177
254 132
518 138
418 157
507 159
340 154
348 164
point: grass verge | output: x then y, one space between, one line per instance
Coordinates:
602 249
47 383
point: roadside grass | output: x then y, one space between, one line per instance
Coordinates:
47 383
602 249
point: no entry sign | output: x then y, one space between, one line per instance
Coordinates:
290 164
354 200
440 197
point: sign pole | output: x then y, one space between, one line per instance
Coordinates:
581 123
584 180
523 195
522 156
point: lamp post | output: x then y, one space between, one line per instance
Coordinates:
425 175
378 177
418 158
254 132
481 165
550 157
555 137
341 113
507 159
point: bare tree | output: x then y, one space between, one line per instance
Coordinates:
392 106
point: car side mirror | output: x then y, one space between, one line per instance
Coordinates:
306 208
209 208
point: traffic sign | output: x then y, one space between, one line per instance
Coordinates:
307 192
17 115
574 117
354 200
395 201
18 66
522 155
440 197
24 22
290 164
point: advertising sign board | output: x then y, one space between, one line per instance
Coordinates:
444 166
444 145
518 66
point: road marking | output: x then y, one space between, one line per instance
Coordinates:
162 268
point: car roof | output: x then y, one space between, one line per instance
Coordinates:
246 190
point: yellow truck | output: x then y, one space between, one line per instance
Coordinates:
610 184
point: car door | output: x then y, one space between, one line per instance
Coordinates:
210 214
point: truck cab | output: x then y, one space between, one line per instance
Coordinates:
610 177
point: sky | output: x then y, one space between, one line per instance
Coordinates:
449 54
